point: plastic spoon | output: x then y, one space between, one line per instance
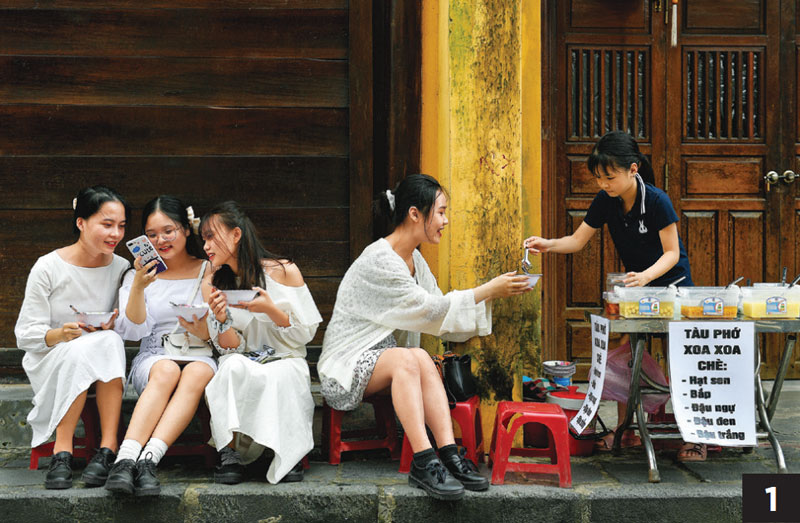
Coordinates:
783 276
734 282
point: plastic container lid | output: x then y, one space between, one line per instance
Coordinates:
567 399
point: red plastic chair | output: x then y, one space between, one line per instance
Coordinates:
82 447
549 415
468 416
383 436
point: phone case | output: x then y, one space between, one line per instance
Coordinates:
141 246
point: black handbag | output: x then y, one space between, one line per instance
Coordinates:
456 372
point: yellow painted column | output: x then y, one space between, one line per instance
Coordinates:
481 138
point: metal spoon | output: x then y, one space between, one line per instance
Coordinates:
783 276
734 282
526 265
795 281
676 282
76 310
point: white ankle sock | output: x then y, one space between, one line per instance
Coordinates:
129 449
154 450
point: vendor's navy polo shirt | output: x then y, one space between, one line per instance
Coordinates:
640 250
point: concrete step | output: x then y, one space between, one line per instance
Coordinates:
604 489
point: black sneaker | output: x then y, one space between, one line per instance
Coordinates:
145 481
435 479
96 472
120 477
294 475
230 470
59 475
465 471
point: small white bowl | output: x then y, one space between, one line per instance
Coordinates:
186 311
533 279
94 319
234 297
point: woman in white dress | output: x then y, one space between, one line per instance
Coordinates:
65 356
170 387
386 298
256 403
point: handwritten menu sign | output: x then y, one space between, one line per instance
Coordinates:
597 375
712 366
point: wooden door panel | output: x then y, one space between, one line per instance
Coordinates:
712 176
740 16
603 16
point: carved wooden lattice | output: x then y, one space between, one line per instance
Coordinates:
609 89
723 94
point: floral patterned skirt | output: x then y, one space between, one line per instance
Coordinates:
341 399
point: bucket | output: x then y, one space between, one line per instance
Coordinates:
560 371
571 401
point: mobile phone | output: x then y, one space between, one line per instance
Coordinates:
142 246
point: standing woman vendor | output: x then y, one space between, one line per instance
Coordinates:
64 356
264 401
386 298
170 386
642 224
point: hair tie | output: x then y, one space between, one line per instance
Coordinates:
194 222
390 198
74 203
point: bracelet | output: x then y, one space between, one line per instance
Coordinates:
221 327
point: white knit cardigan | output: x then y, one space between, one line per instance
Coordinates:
378 296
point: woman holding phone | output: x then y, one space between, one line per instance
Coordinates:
65 356
170 387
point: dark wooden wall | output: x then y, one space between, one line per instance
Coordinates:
240 99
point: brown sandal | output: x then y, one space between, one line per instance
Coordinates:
606 443
692 452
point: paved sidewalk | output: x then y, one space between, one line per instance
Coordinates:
369 488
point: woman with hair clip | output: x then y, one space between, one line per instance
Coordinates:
643 226
261 396
386 298
64 355
170 386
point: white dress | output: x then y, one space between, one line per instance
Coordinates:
58 374
269 404
160 319
379 297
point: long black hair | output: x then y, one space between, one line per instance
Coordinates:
618 149
415 190
250 254
89 201
176 211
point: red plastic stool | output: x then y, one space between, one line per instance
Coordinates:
468 416
196 443
82 447
549 415
383 436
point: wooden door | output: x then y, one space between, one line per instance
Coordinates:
708 113
728 120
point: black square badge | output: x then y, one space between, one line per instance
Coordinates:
771 497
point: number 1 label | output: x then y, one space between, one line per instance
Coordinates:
773 498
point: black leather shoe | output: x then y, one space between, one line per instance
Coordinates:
120 477
145 481
294 475
96 472
230 470
59 475
465 471
435 479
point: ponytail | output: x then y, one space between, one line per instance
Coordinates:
618 149
415 190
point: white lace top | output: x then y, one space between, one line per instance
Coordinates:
378 296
